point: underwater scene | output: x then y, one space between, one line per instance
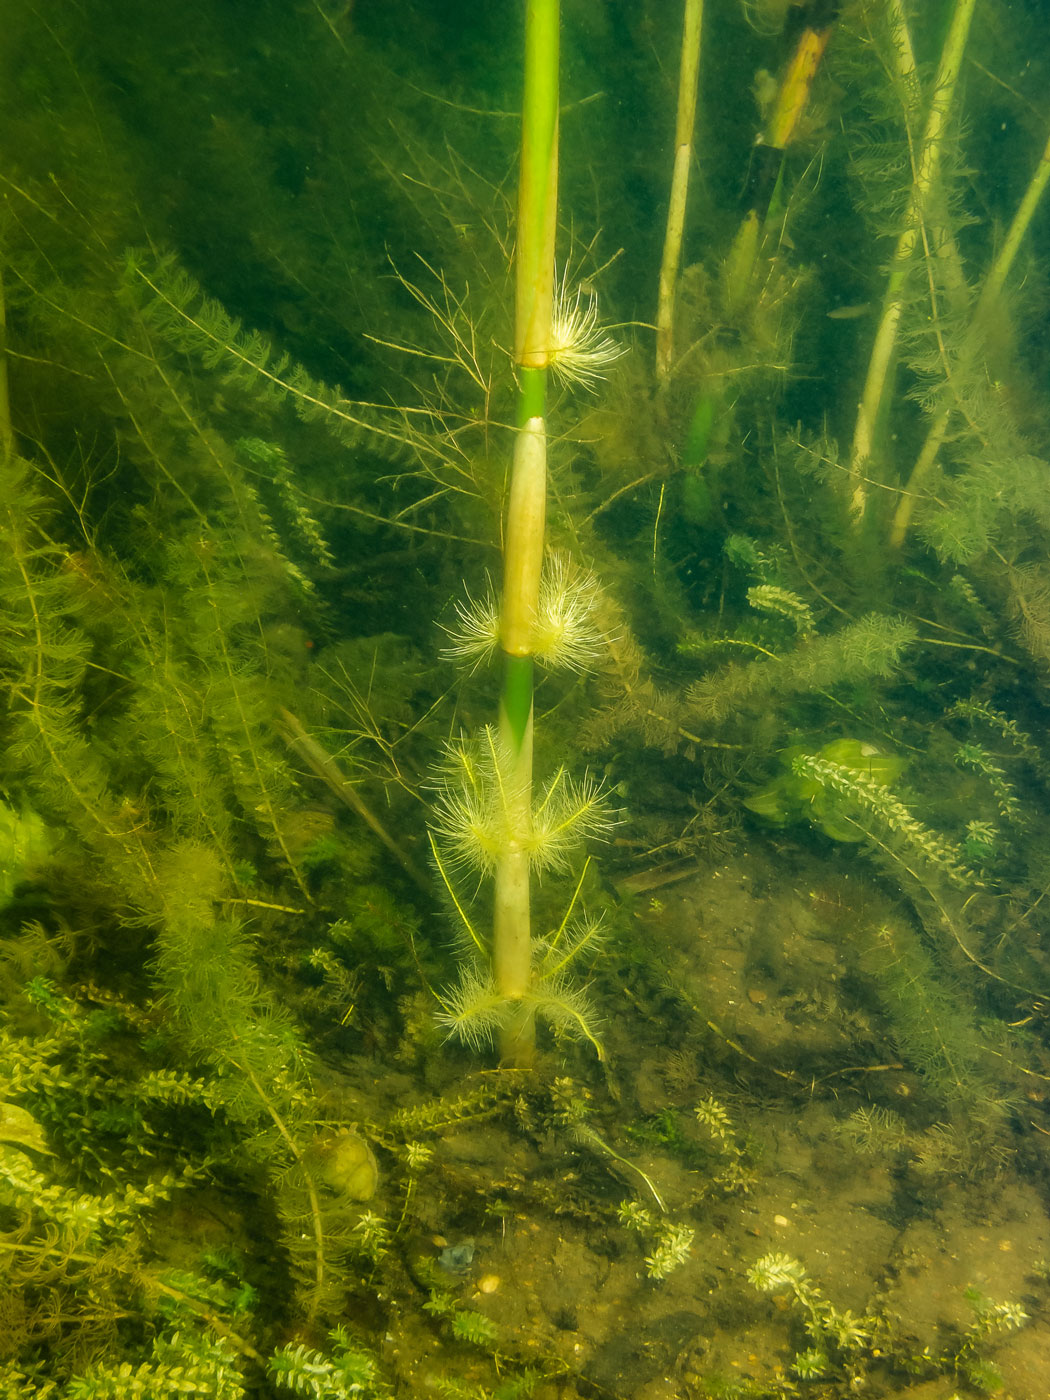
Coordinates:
524 655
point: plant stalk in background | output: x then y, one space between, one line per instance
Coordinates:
917 232
683 155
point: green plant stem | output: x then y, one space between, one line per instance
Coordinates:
584 1133
316 1220
526 520
538 185
927 169
683 155
990 293
517 698
532 394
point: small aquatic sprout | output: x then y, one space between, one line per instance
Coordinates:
982 841
418 1156
775 1271
984 1376
846 1329
672 1249
374 1235
781 602
714 1117
474 1327
1007 1315
874 1130
634 1216
991 1316
341 1369
810 1365
580 353
670 1242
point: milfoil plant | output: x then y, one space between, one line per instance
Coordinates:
490 822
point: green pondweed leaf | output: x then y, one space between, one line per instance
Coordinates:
794 796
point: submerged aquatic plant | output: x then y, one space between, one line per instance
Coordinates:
475 815
775 1271
672 1247
811 1364
145 731
580 352
867 794
781 602
800 793
344 1371
669 1242
475 1011
833 1332
566 634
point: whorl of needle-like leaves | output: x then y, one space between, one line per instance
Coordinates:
173 304
475 818
871 646
565 632
474 1012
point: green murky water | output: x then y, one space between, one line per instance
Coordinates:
523 700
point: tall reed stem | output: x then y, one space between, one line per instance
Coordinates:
683 156
526 513
926 173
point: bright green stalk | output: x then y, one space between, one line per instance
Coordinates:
516 700
526 513
537 186
926 173
684 124
532 394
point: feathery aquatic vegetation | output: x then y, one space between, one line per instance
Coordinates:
580 353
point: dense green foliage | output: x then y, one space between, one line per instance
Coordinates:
257 299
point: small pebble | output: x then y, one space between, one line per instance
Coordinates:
781 1220
457 1258
488 1283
